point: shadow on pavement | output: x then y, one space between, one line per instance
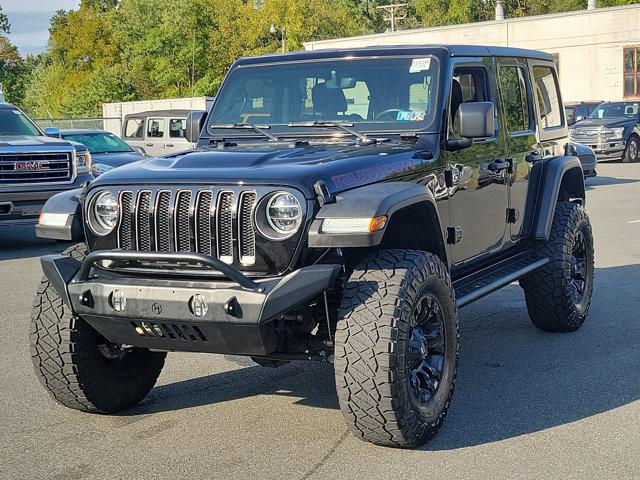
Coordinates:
513 379
600 181
20 241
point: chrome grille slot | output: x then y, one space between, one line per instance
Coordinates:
163 221
216 222
143 221
225 226
204 238
246 232
53 167
125 233
182 221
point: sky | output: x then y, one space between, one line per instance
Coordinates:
30 22
37 5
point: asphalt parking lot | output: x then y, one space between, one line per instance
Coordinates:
528 404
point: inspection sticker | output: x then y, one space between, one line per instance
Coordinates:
410 116
420 65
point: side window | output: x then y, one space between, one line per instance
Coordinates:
514 99
155 128
134 128
548 97
177 127
469 84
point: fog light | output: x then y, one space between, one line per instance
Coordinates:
198 305
118 301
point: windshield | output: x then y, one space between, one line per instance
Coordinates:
385 94
14 122
616 110
99 142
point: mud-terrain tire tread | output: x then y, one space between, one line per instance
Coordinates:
547 289
370 327
63 363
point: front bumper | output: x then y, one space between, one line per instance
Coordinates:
179 311
23 204
608 149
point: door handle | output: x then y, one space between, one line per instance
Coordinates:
533 157
499 165
149 144
170 145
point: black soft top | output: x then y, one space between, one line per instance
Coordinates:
390 50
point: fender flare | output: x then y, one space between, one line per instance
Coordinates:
367 202
64 203
554 171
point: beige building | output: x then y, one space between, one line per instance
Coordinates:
597 50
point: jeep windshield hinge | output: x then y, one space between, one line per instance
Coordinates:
322 192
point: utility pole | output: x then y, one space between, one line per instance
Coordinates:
392 13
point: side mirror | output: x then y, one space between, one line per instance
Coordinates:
477 120
140 150
52 132
195 122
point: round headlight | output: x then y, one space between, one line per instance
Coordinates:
284 213
105 213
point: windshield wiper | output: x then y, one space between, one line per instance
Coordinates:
261 129
344 126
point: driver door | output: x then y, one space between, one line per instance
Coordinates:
479 194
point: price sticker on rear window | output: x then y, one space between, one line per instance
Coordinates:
420 65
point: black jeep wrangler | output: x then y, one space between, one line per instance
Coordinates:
341 206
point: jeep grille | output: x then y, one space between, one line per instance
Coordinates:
36 167
189 220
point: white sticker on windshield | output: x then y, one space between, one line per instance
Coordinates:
420 65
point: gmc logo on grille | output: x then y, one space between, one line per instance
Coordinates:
31 166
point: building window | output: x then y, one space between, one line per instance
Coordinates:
632 72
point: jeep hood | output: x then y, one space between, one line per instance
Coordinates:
341 166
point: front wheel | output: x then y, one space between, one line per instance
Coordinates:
396 348
558 294
80 368
632 151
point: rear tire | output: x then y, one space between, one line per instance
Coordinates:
397 348
632 151
79 367
558 294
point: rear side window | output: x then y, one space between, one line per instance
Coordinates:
134 128
177 127
155 128
514 98
548 97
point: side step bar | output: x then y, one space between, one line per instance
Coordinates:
489 279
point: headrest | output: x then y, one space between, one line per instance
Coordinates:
328 100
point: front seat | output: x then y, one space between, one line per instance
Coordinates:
457 99
328 102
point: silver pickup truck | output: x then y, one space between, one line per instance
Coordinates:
34 165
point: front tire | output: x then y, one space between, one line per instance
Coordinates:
396 348
79 367
558 294
632 150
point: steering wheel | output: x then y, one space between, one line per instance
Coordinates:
389 110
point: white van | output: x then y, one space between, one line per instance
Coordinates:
159 132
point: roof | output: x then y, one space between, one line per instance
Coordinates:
159 113
441 50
